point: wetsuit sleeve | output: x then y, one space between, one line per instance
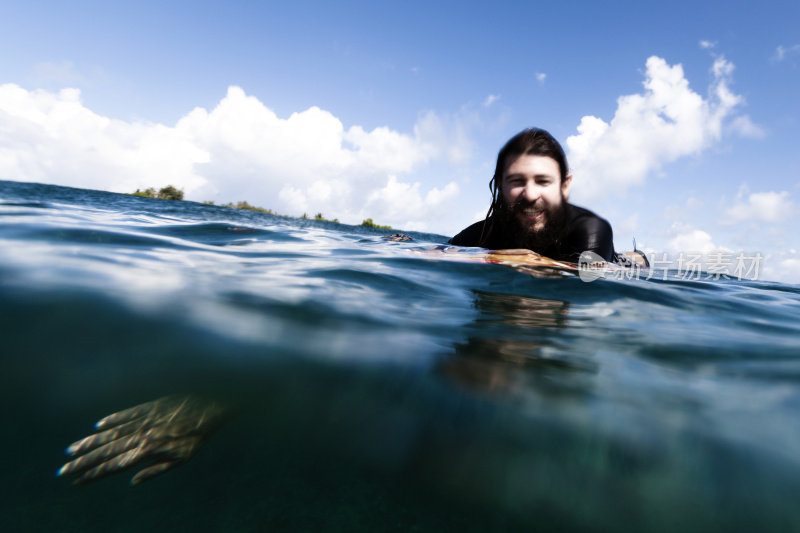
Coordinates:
470 236
459 240
593 234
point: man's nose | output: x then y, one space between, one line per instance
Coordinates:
532 191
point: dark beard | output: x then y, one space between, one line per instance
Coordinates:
546 241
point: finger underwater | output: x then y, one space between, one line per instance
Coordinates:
96 472
126 415
152 471
123 453
98 439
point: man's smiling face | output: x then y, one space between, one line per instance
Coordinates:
533 192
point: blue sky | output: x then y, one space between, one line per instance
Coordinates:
396 112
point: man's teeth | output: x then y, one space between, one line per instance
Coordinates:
531 212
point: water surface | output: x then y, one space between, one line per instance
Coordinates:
380 388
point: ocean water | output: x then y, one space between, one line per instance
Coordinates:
374 386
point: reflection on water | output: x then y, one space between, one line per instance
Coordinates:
520 311
506 347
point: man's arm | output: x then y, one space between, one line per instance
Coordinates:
470 236
592 234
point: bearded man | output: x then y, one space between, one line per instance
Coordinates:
530 208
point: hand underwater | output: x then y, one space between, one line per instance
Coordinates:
162 434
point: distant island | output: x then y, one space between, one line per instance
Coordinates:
173 193
165 193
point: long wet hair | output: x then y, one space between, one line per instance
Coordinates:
532 141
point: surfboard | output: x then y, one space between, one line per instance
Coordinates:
590 267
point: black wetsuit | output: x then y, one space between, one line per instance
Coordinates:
584 231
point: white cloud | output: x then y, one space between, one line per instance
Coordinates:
783 266
492 98
782 52
690 239
707 44
405 202
760 207
541 77
240 150
722 68
52 137
746 128
665 122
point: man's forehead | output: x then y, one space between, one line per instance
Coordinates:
531 163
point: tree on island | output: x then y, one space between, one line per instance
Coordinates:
370 224
165 193
170 193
